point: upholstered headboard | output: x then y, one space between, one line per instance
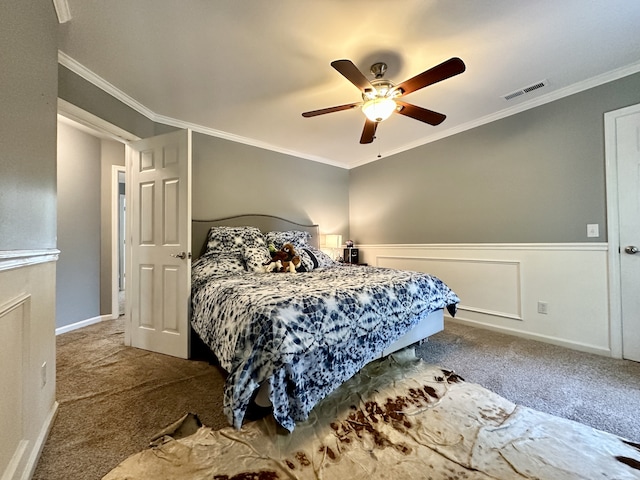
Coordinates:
266 223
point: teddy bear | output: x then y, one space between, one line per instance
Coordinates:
292 262
275 263
284 260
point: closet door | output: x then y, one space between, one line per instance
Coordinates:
627 131
159 256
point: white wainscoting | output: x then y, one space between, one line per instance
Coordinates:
27 358
14 358
500 286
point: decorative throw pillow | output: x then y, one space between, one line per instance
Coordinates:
297 238
246 241
232 239
313 258
322 259
308 260
256 257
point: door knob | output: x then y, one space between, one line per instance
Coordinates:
631 249
181 255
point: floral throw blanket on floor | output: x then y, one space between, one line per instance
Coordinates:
398 418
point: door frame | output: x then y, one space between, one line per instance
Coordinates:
613 226
115 238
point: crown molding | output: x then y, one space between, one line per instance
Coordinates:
244 140
99 82
93 78
521 107
62 10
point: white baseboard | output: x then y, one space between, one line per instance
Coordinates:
38 445
83 323
532 336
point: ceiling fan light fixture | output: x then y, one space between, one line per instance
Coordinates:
379 109
381 97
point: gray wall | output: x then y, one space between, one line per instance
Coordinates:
28 90
84 224
538 176
78 271
77 91
231 178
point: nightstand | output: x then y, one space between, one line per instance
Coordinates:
351 255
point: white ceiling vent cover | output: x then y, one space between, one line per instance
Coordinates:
530 88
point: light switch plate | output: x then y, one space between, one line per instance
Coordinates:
593 230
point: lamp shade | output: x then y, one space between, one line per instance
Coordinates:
379 108
333 241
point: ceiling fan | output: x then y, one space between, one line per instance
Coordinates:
380 97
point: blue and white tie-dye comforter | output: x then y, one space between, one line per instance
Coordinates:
306 333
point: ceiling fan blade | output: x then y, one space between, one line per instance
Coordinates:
446 69
351 73
369 131
322 111
421 114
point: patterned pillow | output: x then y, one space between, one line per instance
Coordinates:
313 258
214 264
308 261
322 258
232 239
248 242
256 257
297 238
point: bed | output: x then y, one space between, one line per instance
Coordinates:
298 336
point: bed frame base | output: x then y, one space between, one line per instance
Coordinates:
430 325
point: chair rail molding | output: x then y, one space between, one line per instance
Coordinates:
10 259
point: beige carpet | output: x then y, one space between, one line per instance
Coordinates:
399 418
113 398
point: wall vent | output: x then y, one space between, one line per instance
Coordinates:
528 89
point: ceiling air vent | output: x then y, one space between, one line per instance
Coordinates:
528 89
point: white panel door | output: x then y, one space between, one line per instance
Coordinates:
159 256
628 159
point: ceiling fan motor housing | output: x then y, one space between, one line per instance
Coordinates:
378 69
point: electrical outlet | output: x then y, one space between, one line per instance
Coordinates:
543 308
43 374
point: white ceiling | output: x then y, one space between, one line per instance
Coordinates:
247 69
